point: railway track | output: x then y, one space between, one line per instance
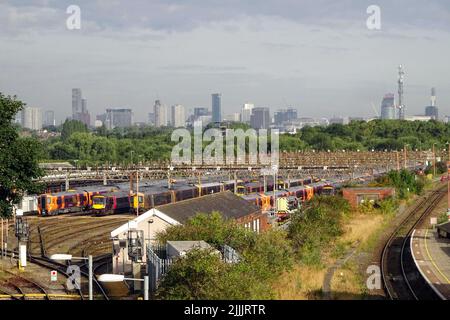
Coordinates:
401 279
26 289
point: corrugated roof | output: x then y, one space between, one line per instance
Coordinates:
227 203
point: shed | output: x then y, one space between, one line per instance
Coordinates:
357 196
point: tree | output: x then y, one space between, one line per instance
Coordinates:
18 158
71 126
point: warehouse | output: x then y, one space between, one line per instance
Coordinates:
158 219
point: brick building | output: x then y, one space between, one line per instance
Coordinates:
357 196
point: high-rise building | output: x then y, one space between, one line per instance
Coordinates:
160 111
49 118
79 107
201 111
118 118
178 118
234 117
216 107
285 115
76 102
260 118
151 119
246 112
432 110
32 118
388 107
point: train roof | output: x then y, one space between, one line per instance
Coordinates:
65 193
208 184
114 194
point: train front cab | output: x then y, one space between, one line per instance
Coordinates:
99 204
47 205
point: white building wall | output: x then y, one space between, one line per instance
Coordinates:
120 258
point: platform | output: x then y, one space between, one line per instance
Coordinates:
432 256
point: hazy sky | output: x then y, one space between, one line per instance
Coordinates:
316 55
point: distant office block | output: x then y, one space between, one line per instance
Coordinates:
178 118
246 112
260 118
285 115
432 112
79 107
49 118
32 118
388 107
160 112
118 118
216 107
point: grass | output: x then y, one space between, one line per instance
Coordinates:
300 283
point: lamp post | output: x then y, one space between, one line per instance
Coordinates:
69 257
121 277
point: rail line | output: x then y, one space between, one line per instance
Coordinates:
400 277
43 293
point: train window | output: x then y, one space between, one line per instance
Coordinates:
49 200
58 201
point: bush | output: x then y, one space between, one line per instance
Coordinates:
317 226
263 258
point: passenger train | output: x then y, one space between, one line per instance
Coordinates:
118 199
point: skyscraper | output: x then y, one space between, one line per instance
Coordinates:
49 118
260 118
32 118
285 115
177 116
246 112
160 112
388 107
79 107
76 102
216 107
432 110
118 118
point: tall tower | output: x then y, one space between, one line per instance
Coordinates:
401 106
433 97
216 107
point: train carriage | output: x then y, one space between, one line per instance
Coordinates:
62 202
110 203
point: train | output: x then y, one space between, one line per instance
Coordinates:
118 199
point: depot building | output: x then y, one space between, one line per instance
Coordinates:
156 220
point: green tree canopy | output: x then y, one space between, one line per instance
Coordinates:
71 126
18 158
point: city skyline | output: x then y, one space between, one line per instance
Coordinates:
318 57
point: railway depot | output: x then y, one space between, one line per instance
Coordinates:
117 222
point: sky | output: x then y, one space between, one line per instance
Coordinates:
317 55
